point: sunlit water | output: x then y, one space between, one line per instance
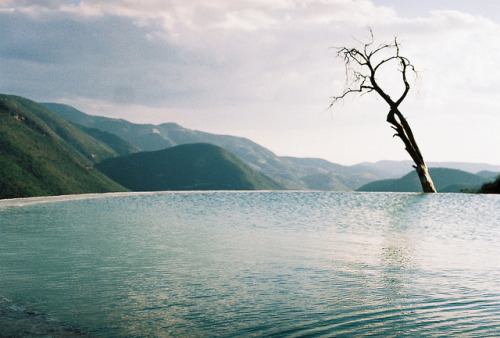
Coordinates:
256 263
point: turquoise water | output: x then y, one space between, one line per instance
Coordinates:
256 263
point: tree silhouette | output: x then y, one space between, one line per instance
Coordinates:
491 187
362 67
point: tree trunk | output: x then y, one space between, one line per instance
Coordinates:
364 81
425 178
404 132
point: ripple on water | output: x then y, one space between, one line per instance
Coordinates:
255 263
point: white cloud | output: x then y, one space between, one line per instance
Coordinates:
252 67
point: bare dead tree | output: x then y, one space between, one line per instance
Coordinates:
361 67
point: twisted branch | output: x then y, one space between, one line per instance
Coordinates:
361 70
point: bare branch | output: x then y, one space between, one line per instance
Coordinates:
356 79
384 62
361 67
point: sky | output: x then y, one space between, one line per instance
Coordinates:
265 70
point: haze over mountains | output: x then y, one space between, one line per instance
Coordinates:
43 154
194 166
52 148
445 179
291 172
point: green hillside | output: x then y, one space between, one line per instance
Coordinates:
185 167
491 187
64 132
147 137
42 154
292 173
116 143
445 180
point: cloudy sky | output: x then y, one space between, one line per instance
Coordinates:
265 69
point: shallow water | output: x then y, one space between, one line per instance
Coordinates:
256 263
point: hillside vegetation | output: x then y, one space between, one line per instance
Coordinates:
43 154
113 141
445 180
291 172
185 167
491 187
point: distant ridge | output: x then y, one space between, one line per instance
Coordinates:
400 168
116 143
149 137
44 153
290 172
197 166
445 180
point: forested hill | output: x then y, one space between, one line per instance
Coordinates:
492 187
197 166
43 154
291 172
445 180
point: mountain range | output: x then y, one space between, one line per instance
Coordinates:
445 180
149 137
290 172
51 148
44 154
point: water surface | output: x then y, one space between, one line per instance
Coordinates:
256 263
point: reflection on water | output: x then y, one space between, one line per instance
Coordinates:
256 263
